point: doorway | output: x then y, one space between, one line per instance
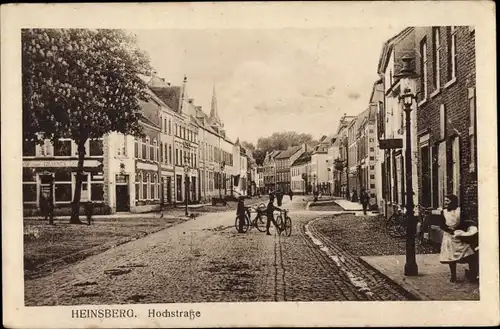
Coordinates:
122 193
169 190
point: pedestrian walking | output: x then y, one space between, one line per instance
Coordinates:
290 194
240 212
454 250
279 197
270 214
365 199
354 195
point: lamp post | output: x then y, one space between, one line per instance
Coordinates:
346 145
221 179
406 97
186 182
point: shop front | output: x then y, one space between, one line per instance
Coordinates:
56 180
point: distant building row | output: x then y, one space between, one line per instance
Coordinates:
184 148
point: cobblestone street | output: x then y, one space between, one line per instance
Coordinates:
207 260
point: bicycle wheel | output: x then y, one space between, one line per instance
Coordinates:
260 224
246 224
288 226
390 225
279 223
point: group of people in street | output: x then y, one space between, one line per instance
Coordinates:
269 212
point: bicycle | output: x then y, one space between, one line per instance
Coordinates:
396 223
423 225
284 224
248 223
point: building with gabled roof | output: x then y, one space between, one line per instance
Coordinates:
299 174
269 165
283 163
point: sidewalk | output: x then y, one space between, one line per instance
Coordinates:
348 205
125 215
432 283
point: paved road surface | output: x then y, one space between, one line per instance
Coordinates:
206 260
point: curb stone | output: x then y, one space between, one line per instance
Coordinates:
412 294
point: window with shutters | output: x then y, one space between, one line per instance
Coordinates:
138 179
423 67
452 52
145 181
442 122
426 174
472 129
455 166
436 38
441 172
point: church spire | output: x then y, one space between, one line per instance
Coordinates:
214 114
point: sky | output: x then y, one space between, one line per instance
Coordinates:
272 80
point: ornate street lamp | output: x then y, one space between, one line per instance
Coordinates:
186 182
406 75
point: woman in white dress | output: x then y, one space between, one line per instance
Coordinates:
453 250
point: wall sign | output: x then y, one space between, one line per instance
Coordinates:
59 163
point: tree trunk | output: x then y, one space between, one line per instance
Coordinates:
75 211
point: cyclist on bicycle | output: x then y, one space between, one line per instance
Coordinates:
241 212
270 214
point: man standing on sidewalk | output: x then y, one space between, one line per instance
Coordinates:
365 199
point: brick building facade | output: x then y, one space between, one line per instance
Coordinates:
446 124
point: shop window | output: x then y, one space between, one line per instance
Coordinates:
62 148
29 175
29 192
97 186
62 192
97 192
85 187
96 147
28 148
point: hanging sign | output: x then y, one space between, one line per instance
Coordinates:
386 144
